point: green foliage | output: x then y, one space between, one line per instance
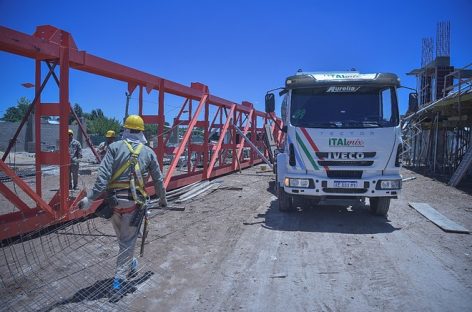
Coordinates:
78 111
100 125
96 114
16 113
150 130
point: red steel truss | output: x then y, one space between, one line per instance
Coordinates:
200 111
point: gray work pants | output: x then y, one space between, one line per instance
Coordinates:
74 175
127 236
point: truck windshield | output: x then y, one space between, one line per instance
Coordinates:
344 107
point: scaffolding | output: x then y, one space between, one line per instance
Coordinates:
437 127
438 135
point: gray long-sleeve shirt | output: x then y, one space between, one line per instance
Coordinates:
118 153
75 151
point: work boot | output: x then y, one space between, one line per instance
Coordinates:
117 290
133 271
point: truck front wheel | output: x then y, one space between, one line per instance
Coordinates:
379 205
285 200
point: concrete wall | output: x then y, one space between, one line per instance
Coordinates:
49 136
7 130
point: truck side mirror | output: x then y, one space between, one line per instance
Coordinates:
269 103
413 102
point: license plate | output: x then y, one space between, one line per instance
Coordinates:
345 184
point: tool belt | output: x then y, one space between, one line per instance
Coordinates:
105 210
138 215
124 194
123 211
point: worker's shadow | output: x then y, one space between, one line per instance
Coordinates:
100 290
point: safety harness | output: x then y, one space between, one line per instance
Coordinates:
134 176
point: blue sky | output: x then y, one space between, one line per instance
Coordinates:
240 49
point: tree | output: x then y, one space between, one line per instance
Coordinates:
100 125
96 113
78 111
16 113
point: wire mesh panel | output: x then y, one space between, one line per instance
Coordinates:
66 267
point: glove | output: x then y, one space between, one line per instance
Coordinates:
84 203
163 202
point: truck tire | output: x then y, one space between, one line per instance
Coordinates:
285 200
379 205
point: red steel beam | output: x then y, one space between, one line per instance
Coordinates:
25 188
242 139
18 223
37 128
15 200
87 138
22 44
178 152
50 43
64 158
217 149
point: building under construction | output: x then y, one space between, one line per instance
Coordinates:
222 244
437 126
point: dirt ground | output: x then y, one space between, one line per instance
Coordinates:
232 250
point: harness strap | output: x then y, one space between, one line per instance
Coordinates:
127 164
133 164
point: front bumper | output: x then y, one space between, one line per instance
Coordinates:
342 187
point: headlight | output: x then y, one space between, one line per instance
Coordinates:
389 184
291 182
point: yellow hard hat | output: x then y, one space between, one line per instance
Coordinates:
110 134
70 132
134 122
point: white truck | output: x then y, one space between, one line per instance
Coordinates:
342 138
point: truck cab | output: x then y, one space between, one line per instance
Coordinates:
343 138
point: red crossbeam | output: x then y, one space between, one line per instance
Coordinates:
203 160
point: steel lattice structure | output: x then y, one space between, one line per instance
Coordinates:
200 109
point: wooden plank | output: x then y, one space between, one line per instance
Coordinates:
440 220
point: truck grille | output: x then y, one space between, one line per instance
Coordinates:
344 190
322 155
344 174
352 163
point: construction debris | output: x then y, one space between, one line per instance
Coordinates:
230 188
438 219
255 149
278 275
154 204
408 179
200 189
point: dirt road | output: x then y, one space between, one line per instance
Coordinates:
233 250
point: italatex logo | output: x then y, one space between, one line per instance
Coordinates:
354 142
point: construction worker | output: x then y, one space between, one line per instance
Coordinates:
75 153
103 147
121 175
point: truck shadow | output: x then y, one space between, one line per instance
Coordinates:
326 218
